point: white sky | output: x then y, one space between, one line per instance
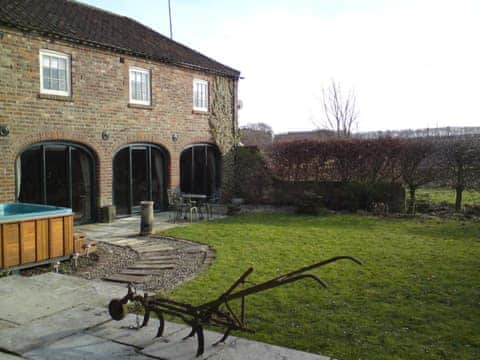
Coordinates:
413 64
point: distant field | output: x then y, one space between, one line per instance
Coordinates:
437 195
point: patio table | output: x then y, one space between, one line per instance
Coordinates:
197 200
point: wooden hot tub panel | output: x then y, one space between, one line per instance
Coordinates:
35 240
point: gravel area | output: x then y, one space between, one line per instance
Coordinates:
190 259
107 260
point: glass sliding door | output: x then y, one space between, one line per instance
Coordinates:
82 187
56 173
29 175
139 174
200 170
158 183
121 183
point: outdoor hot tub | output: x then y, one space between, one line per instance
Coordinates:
31 234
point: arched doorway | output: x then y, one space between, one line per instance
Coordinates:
139 173
58 173
200 170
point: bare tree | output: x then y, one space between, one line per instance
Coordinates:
416 166
459 160
339 110
257 134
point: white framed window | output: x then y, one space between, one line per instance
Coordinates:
54 73
200 95
139 86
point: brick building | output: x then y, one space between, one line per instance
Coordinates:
97 109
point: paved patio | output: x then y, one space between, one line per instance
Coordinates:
125 231
53 316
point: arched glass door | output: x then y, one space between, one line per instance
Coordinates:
139 173
200 170
58 173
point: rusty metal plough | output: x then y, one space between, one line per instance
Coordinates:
218 312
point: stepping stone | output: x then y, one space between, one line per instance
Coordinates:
148 256
129 242
126 278
141 272
156 253
154 267
154 262
146 249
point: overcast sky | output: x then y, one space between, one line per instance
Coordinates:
412 63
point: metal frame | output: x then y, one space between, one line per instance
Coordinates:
43 180
216 313
131 208
192 170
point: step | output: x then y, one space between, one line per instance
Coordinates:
155 262
152 266
153 249
149 257
129 242
141 272
126 278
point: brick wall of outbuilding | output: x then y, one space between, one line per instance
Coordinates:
100 102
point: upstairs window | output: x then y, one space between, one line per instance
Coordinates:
200 95
54 73
139 86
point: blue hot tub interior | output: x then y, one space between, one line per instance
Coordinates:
16 211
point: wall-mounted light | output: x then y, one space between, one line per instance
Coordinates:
105 135
174 137
4 130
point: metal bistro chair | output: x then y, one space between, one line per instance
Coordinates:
192 208
210 203
177 208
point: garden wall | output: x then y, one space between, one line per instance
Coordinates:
339 196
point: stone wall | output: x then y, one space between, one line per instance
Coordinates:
99 102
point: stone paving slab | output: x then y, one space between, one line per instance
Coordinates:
23 299
242 349
39 332
5 356
82 347
174 347
6 324
120 332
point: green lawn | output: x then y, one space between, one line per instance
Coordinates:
437 195
417 295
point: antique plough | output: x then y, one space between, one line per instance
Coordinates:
218 312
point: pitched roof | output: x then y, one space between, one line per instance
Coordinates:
80 23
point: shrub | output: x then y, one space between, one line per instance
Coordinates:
253 178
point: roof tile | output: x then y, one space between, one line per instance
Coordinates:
78 22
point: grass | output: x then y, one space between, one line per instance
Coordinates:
438 195
417 295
